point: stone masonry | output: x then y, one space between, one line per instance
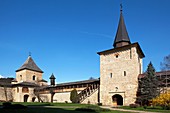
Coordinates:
119 72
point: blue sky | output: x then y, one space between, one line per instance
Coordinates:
64 36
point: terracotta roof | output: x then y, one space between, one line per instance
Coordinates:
30 65
122 48
122 34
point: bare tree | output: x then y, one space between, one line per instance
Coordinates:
52 94
165 64
5 92
37 93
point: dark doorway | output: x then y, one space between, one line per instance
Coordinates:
26 98
33 99
118 98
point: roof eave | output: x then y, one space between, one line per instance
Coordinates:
114 49
29 69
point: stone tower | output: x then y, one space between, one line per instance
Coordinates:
29 72
28 77
119 69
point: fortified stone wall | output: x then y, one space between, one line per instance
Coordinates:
65 97
45 97
6 94
62 97
119 75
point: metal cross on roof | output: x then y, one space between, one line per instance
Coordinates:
29 53
121 7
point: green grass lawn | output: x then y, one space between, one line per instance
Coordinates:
70 108
49 110
55 108
151 109
48 104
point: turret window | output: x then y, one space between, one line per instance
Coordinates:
33 78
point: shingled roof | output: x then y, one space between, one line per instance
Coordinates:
52 76
30 65
79 82
122 34
6 82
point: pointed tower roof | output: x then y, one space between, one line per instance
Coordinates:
30 65
52 76
122 34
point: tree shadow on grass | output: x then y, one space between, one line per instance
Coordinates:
41 109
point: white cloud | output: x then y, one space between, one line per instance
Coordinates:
1 76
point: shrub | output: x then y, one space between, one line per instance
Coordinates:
74 96
2 101
99 104
66 102
145 106
162 100
134 105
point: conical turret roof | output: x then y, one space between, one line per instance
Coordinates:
122 34
30 65
52 76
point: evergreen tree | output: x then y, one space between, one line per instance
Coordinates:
74 96
148 85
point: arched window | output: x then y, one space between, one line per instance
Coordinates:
33 78
25 90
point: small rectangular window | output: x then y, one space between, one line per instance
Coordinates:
130 54
124 73
110 75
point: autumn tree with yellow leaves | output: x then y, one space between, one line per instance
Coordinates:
162 100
